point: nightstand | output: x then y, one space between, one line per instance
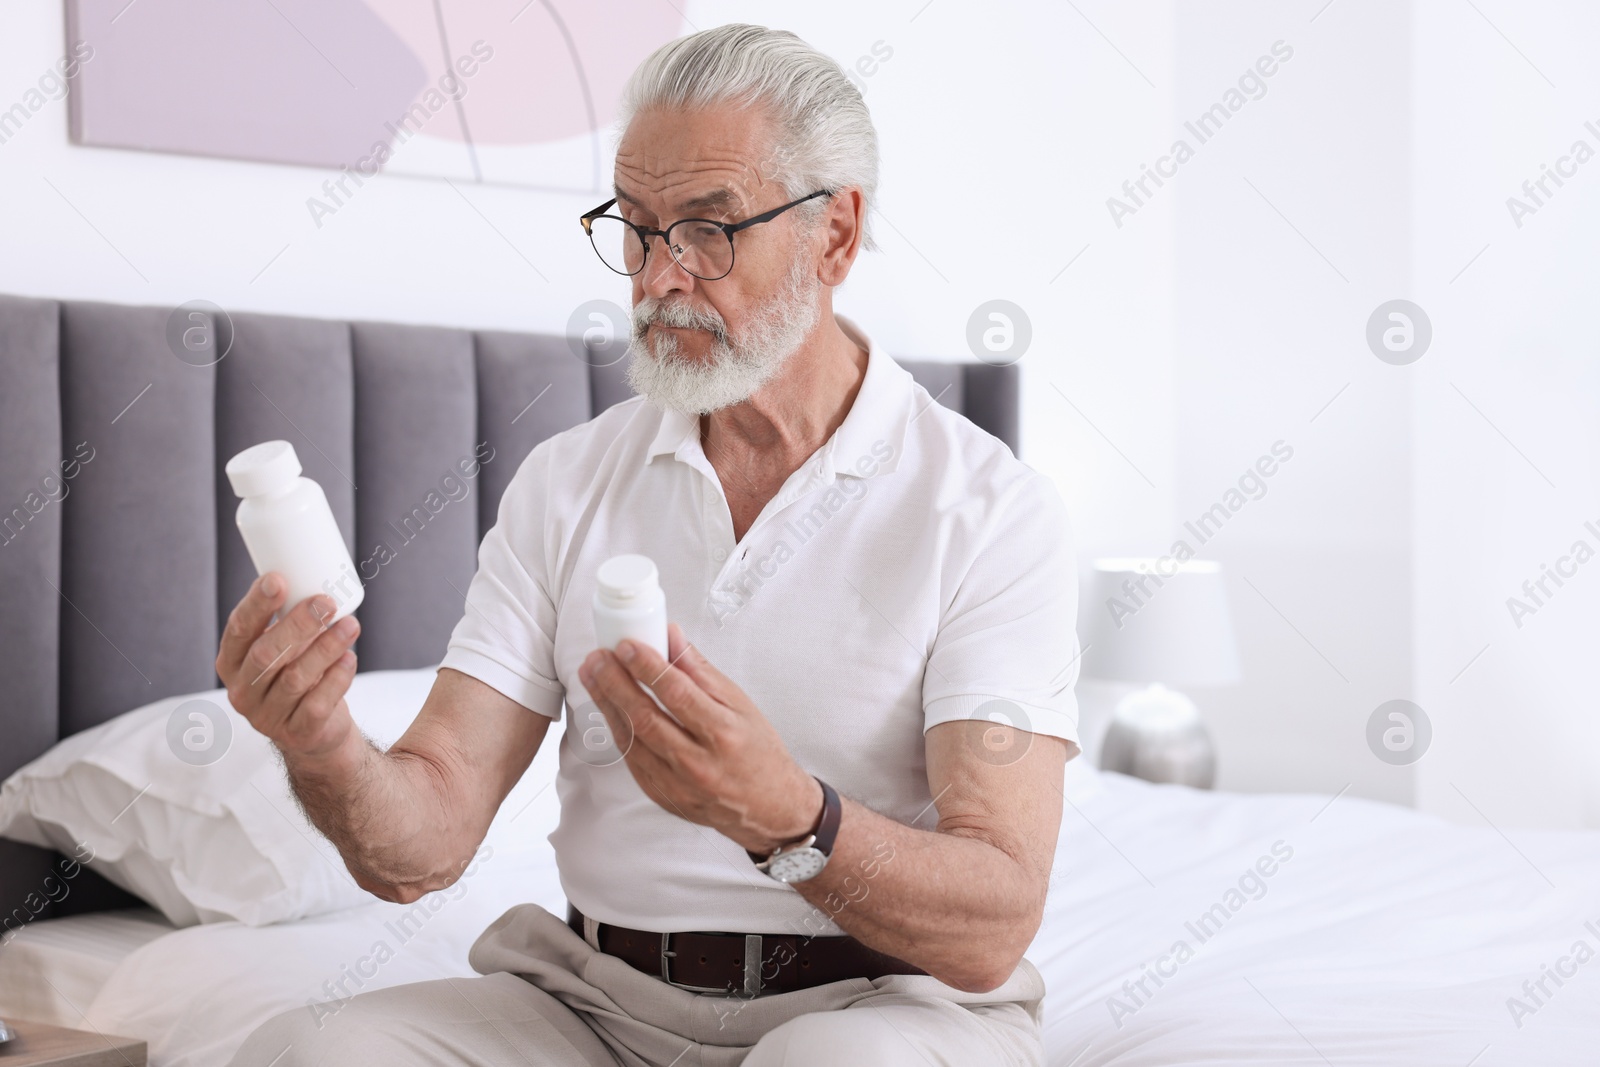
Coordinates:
40 1045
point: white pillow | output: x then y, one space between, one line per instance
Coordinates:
212 841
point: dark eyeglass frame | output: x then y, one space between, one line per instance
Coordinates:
646 232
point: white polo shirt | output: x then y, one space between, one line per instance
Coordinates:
911 572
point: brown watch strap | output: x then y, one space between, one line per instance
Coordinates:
826 829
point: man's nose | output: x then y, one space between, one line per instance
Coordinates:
661 274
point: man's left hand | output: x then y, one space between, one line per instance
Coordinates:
721 764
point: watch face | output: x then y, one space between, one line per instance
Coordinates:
798 865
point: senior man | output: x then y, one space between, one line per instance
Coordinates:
830 841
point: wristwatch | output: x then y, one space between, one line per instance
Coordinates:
805 858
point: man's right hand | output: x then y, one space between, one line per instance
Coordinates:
289 679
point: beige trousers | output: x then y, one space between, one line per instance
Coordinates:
547 998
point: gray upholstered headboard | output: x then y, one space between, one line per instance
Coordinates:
118 572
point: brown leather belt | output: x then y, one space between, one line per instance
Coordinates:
741 964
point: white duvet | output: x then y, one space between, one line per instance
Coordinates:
1183 928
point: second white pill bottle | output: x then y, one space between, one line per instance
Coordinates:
628 602
288 527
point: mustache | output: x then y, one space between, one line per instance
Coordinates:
653 312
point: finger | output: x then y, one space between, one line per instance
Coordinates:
677 643
656 777
275 648
677 782
611 685
689 659
618 693
694 708
298 675
646 764
247 621
313 710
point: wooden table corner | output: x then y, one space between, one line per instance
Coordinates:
43 1045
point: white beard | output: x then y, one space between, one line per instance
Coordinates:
736 366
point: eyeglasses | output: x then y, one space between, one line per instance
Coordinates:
703 247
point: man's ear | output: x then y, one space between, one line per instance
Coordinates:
842 229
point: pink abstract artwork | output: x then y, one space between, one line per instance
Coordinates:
504 91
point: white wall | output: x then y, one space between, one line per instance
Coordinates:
1188 340
1503 492
1270 329
1378 564
959 148
1001 136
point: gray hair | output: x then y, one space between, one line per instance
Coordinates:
825 136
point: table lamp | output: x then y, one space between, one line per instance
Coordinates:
1162 623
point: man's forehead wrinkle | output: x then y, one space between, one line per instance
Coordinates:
677 182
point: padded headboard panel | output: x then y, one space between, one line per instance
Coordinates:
118 572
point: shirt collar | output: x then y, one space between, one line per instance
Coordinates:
868 442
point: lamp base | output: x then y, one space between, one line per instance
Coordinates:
1157 734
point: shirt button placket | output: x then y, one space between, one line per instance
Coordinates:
712 524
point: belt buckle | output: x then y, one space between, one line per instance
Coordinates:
752 967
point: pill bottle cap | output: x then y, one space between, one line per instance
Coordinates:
625 581
265 468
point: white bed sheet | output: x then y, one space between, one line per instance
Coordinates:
52 969
1388 937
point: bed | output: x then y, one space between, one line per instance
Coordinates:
1182 926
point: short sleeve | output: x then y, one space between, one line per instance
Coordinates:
1007 646
506 638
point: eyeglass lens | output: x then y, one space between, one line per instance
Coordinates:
700 248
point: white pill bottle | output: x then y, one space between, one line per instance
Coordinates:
628 602
288 527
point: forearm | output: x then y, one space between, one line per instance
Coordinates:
386 814
962 902
957 906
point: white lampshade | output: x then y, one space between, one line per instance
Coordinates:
1148 620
